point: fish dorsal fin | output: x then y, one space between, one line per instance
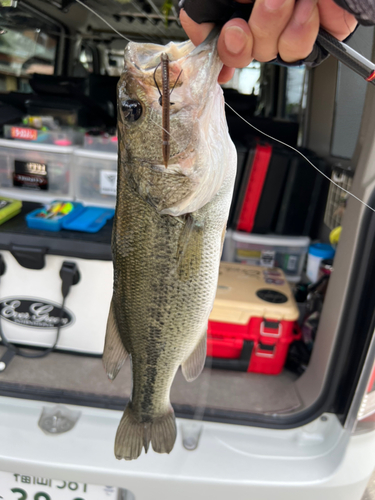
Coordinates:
193 366
114 355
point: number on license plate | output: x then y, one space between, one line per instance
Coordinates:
23 487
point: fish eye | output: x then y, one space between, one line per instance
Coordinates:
132 110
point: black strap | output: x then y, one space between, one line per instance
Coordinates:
362 10
216 11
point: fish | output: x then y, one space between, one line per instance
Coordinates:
168 232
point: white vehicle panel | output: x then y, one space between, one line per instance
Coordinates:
318 460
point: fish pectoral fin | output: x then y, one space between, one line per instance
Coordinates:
193 366
190 248
114 355
133 435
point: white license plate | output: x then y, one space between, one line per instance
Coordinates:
23 487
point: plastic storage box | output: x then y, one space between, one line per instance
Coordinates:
35 172
285 252
95 177
63 137
252 322
90 220
55 222
9 208
104 143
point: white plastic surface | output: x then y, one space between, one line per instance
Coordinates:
263 239
31 195
316 461
100 155
95 177
36 146
312 269
90 309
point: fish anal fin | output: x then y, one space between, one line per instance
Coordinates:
190 248
194 364
114 355
133 435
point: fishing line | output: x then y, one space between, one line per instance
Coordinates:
156 10
303 156
248 123
170 135
150 19
104 21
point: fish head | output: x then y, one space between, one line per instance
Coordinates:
198 137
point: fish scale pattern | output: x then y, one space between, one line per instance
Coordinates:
160 317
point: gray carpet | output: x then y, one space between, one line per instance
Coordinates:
219 389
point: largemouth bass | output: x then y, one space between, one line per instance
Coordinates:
168 232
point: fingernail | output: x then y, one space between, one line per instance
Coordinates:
273 4
234 39
304 10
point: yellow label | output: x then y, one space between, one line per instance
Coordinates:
249 254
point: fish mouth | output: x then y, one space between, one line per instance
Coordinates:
145 58
148 59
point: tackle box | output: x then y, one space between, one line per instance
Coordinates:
72 216
35 172
253 320
95 177
9 208
65 136
53 216
286 252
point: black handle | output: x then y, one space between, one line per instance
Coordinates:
347 56
220 11
240 365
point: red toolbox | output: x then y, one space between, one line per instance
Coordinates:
253 320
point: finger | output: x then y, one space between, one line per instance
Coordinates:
297 40
335 19
226 74
196 32
235 44
267 21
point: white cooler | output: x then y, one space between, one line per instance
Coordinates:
30 288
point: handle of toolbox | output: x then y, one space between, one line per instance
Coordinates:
271 325
265 350
241 364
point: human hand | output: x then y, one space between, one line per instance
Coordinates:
287 28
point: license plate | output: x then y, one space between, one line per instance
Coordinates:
22 487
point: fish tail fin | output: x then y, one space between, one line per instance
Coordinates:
133 435
163 432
